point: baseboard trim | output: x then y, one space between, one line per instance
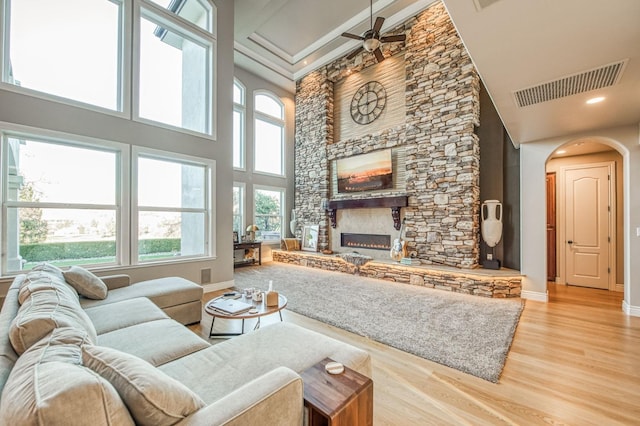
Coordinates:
538 296
634 311
619 287
208 288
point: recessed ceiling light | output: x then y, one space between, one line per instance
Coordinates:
595 100
304 63
561 151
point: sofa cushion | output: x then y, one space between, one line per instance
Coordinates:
47 305
157 342
164 292
49 386
153 397
85 282
236 361
123 314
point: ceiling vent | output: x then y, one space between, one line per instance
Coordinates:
597 78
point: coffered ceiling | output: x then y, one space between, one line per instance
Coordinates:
516 45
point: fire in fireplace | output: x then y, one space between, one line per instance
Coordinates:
368 241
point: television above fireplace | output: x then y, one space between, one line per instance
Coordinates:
366 172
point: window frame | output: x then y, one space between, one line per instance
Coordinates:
155 13
209 203
257 115
124 65
121 206
241 108
283 206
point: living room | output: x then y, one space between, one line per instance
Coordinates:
138 141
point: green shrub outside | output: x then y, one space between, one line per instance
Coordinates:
45 252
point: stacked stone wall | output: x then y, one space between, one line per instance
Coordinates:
441 147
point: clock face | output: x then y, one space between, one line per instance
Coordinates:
368 102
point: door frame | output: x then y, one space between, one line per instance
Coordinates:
560 221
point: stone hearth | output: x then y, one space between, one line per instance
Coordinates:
502 283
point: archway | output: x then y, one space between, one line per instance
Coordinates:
585 201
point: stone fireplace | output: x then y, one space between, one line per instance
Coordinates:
436 150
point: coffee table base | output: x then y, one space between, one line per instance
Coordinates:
257 326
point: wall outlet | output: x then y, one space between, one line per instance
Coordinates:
489 256
205 276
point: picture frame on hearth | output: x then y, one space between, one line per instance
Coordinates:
310 238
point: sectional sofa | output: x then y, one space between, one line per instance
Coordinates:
76 349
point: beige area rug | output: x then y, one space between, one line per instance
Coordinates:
469 333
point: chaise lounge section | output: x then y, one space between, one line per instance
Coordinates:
122 359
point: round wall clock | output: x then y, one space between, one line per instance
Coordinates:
368 102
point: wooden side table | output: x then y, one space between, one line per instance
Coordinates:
248 245
344 399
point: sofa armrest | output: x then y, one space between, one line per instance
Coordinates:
116 281
275 398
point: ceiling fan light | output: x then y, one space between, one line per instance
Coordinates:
371 44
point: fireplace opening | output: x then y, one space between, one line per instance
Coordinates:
368 241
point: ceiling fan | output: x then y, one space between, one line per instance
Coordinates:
371 39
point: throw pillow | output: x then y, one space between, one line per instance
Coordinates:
153 398
49 386
86 283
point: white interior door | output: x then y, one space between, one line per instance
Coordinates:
587 204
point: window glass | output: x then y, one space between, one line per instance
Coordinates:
174 78
66 48
197 12
268 215
163 183
267 105
238 94
89 179
238 208
238 139
269 141
63 215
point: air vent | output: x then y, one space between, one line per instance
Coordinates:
597 78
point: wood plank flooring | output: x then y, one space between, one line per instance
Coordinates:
573 361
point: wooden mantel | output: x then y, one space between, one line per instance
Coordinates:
395 203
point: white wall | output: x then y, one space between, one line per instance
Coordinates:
533 158
35 112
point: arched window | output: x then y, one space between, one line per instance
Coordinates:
239 113
268 134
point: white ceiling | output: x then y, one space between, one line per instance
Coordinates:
515 44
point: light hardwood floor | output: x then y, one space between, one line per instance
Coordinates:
574 361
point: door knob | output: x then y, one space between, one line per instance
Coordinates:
570 241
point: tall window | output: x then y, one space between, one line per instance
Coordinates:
238 207
238 124
79 51
66 215
268 134
269 205
172 206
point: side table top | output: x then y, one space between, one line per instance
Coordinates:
329 393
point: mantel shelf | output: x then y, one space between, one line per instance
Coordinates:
395 203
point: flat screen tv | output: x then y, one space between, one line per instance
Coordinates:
366 172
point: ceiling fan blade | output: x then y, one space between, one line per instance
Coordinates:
378 24
355 52
379 55
393 38
349 35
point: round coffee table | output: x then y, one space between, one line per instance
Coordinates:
260 309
